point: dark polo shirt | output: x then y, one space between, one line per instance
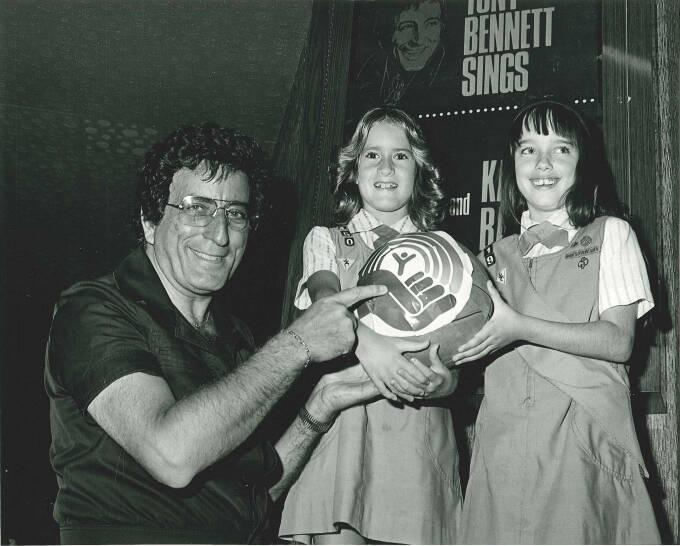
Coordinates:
117 325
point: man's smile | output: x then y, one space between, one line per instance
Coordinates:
413 51
207 257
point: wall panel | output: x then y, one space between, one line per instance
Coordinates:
640 89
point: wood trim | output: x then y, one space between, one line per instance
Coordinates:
640 83
665 439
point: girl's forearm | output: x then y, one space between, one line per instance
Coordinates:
610 338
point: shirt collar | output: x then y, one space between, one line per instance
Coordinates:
365 221
559 218
137 280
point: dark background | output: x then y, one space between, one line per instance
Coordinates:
85 88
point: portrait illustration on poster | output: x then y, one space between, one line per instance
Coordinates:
463 68
404 59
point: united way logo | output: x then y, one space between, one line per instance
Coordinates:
429 279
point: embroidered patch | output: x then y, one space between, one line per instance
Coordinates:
583 262
501 277
347 263
489 256
347 234
579 253
585 241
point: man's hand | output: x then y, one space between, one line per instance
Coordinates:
333 393
503 328
328 326
339 390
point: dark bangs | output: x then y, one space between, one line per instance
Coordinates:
547 116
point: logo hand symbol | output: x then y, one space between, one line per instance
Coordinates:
419 300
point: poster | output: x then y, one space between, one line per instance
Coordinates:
463 68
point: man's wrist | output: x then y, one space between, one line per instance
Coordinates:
318 407
310 422
301 342
288 349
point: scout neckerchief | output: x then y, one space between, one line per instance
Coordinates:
385 235
549 235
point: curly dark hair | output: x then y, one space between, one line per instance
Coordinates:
219 150
427 204
592 194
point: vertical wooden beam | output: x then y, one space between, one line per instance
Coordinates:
640 90
664 429
642 191
615 91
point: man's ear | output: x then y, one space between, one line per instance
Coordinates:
149 228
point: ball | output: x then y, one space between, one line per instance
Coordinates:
436 291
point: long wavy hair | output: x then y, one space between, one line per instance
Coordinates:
427 204
592 193
220 150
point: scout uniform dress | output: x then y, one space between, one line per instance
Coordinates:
389 471
556 458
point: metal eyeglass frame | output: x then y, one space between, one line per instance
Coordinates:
187 201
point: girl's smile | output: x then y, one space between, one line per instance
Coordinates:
545 182
385 185
545 168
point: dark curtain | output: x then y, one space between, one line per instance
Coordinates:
311 130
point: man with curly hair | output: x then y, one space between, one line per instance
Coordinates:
156 395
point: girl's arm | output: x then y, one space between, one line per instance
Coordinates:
395 375
609 338
381 356
443 382
624 296
321 284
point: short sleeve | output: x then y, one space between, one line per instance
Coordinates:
318 254
623 274
93 341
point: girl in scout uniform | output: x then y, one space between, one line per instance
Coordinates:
385 471
556 458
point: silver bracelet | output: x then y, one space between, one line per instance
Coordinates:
312 423
301 341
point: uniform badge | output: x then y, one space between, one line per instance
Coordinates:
347 262
489 257
501 276
347 234
586 240
583 262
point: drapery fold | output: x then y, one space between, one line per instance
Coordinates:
311 131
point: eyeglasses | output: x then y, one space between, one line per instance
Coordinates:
200 211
